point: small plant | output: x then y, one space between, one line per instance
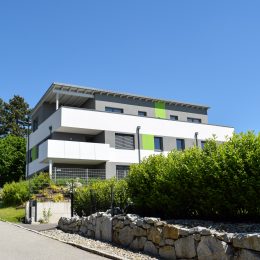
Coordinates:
46 215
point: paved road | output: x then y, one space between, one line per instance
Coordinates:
19 244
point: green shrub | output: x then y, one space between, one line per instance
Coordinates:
15 193
40 182
220 182
97 196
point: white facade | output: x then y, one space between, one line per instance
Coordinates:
83 121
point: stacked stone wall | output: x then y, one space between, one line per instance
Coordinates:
156 237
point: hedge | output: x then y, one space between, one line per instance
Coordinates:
222 181
96 196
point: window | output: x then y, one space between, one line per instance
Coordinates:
142 113
158 144
174 118
114 110
203 144
124 141
194 120
180 143
35 125
122 171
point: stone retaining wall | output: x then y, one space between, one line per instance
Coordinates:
167 241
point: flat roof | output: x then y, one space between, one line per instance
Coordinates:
73 95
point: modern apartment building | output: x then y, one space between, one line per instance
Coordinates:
100 132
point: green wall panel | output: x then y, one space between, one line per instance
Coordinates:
34 153
148 142
160 111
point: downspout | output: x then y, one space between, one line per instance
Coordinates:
138 143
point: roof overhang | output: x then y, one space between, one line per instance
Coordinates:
72 95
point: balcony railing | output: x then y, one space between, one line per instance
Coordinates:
63 175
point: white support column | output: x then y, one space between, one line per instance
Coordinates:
57 101
50 169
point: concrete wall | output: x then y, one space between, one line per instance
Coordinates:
44 111
57 210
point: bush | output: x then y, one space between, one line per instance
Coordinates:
15 193
220 182
40 182
97 196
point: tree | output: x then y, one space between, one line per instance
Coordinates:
12 158
13 114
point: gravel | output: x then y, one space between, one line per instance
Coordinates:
218 226
97 245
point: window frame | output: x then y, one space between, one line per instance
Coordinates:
174 118
144 113
161 144
114 110
182 148
194 120
123 134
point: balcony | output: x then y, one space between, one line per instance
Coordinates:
73 152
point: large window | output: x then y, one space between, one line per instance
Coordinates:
180 143
158 144
142 113
174 118
194 120
124 141
114 110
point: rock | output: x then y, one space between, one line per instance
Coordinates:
226 237
159 224
83 230
212 248
139 222
184 232
155 235
126 236
138 243
133 224
200 230
151 220
106 228
127 222
98 231
245 254
185 247
145 226
197 237
247 241
91 227
139 232
91 233
167 252
169 242
150 248
170 231
119 225
132 217
162 243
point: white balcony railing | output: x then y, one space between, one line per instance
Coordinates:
71 150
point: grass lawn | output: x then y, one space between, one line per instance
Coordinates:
11 213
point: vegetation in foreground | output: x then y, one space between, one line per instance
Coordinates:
220 182
11 214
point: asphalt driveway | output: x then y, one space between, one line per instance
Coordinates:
17 243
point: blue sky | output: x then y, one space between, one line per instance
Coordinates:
204 52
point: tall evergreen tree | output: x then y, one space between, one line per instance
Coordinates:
14 116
